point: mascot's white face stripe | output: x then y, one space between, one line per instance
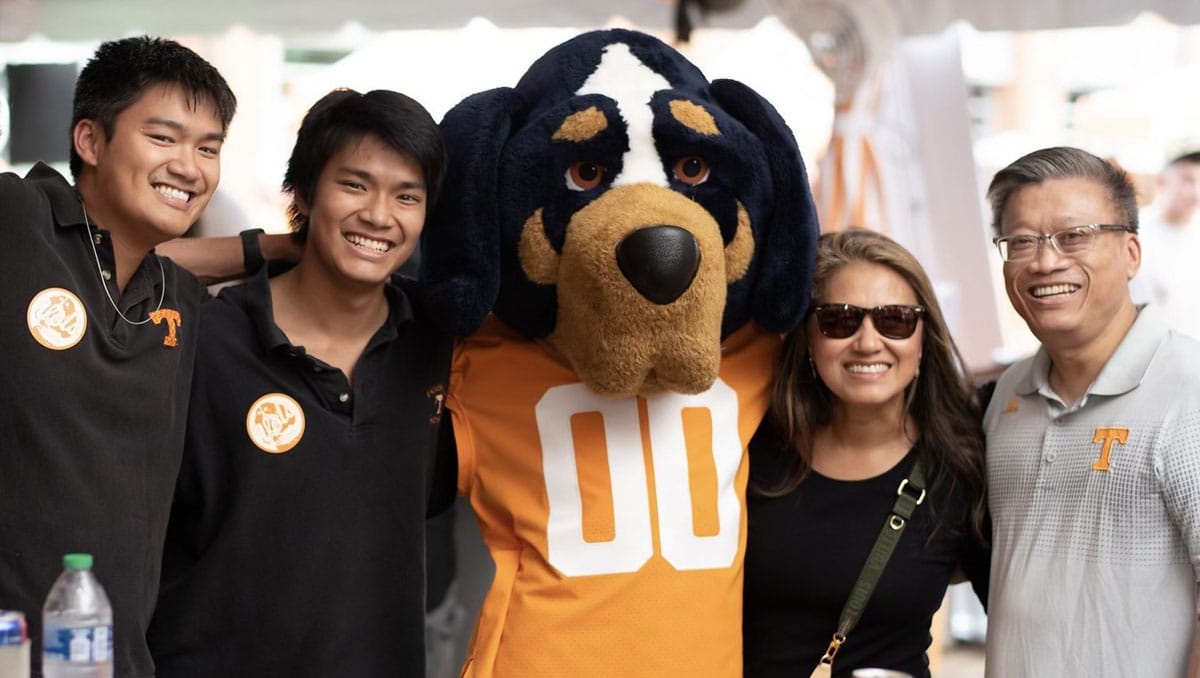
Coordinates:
622 77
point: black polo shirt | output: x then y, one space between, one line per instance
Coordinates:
92 420
296 543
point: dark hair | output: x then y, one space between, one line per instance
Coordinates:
120 72
1192 158
1063 162
345 116
950 439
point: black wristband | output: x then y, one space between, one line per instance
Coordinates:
252 258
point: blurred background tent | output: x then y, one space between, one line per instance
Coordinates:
85 19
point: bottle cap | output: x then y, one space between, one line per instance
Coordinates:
77 561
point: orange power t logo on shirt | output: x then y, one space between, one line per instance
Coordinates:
1108 436
438 395
171 316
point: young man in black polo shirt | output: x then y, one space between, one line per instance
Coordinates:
99 333
296 541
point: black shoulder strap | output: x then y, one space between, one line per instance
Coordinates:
909 495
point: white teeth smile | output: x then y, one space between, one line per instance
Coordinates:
1051 290
380 246
873 368
173 193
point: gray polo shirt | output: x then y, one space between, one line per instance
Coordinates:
1096 514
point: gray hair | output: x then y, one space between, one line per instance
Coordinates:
1063 162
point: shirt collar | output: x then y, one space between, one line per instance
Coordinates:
262 313
67 208
1124 369
64 201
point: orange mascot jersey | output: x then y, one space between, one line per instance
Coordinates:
617 525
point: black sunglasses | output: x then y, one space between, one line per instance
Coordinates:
839 321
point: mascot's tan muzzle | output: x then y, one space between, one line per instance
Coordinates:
641 289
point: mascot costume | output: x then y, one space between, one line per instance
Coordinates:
633 239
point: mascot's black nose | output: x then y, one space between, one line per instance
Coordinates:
659 261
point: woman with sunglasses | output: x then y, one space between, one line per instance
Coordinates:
869 385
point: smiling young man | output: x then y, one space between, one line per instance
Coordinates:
296 541
1092 464
99 333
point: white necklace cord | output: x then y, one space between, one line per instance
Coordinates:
104 283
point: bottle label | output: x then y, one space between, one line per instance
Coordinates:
78 644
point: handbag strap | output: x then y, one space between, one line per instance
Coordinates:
909 495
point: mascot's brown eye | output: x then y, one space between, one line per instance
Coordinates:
584 176
692 170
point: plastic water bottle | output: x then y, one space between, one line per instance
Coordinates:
77 624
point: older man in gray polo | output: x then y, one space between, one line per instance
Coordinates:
1093 443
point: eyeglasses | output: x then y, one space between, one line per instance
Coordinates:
1069 242
839 321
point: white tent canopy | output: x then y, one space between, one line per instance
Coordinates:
99 19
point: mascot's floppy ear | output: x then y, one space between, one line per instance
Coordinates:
460 249
786 247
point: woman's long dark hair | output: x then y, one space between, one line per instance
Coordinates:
942 402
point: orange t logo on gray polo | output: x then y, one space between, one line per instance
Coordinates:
1108 436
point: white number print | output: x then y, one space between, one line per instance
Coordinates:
632 544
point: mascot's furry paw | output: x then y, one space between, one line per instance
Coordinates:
624 209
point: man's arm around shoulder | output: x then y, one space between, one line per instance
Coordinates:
214 260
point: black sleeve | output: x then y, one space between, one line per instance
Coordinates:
977 561
441 561
772 461
443 476
984 394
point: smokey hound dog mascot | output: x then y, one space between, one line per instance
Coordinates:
622 242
